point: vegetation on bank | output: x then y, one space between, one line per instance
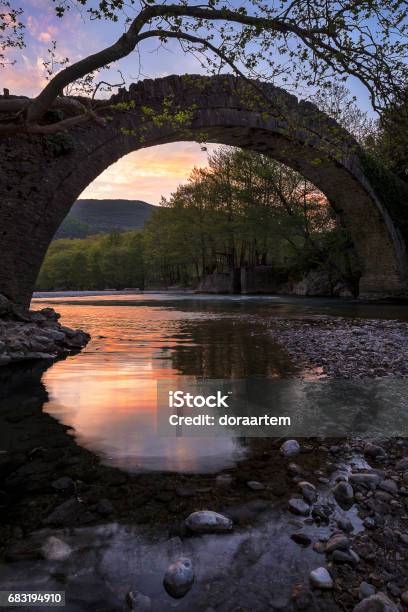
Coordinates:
243 210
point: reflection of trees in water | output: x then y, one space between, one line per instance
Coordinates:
228 348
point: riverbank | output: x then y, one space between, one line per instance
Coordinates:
340 347
69 520
28 336
339 504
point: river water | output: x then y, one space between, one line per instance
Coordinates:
106 395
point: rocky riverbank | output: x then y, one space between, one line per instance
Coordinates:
315 525
27 335
340 509
339 347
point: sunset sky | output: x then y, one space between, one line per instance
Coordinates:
146 174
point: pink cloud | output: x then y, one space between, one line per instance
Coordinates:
45 37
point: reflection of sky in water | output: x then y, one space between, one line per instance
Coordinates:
108 392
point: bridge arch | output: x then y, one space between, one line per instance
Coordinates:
41 177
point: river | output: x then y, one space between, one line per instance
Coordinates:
105 397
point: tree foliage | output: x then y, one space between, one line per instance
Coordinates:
243 210
295 43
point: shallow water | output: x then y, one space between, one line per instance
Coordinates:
107 393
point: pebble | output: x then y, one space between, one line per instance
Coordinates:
207 521
369 523
223 480
376 603
374 451
290 448
362 479
389 485
298 506
402 465
179 577
55 549
366 590
301 538
308 491
294 469
321 579
343 494
255 485
321 512
345 556
345 525
338 541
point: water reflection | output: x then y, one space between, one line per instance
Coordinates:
108 392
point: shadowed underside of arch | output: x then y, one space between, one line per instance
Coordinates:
41 177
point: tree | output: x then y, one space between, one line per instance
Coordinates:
390 144
292 42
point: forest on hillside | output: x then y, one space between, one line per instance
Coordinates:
242 210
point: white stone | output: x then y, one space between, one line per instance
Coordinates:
207 521
290 448
321 579
55 549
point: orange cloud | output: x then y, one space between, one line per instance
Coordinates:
150 173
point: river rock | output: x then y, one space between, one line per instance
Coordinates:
345 525
179 577
223 480
137 601
366 590
374 451
376 603
290 448
255 485
368 480
321 512
404 598
321 579
308 491
402 465
301 538
55 549
338 541
298 506
207 521
343 494
388 485
345 556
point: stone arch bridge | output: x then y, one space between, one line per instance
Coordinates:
42 176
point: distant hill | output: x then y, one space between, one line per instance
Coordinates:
88 217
